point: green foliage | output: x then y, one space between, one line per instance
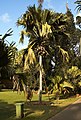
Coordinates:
61 85
74 77
18 63
6 55
71 81
74 71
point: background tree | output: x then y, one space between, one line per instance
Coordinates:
6 56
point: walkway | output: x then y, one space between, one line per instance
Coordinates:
73 112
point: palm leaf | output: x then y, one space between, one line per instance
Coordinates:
8 33
29 58
78 7
67 84
77 2
64 54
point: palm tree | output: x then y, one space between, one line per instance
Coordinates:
42 27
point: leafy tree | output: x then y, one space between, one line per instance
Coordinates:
71 45
6 57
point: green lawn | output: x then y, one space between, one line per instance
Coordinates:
32 110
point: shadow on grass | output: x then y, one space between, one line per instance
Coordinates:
7 111
32 110
36 111
44 111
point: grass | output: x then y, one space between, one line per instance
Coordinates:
32 110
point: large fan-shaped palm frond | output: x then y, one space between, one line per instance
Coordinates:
78 7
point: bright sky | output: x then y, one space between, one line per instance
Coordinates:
11 10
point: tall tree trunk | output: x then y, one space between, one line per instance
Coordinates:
40 89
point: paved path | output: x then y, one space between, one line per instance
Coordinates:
73 112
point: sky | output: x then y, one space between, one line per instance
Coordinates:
11 10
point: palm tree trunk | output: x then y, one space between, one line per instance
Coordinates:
40 89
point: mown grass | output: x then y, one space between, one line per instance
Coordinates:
32 110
